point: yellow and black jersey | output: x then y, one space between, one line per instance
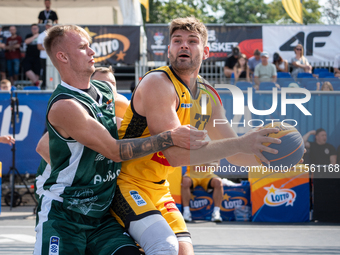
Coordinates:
192 110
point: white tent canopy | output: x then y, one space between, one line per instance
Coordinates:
81 12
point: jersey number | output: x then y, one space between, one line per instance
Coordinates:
201 118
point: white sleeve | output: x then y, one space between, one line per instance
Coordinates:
41 38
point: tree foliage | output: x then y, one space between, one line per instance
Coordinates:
332 11
163 11
231 11
310 12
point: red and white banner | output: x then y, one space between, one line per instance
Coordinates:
320 42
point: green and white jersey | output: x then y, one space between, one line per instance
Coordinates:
84 180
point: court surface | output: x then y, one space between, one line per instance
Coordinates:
17 236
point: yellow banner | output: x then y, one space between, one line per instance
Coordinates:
146 5
294 9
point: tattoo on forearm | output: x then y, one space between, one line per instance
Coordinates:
140 147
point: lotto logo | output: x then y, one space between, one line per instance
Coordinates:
137 198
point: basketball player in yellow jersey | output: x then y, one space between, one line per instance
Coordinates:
164 99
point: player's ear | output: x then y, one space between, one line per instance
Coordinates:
205 52
62 57
168 50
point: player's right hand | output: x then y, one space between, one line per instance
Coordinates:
189 137
252 142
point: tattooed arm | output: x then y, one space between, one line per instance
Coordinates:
79 125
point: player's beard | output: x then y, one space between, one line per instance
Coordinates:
185 67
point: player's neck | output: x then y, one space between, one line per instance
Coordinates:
189 79
76 80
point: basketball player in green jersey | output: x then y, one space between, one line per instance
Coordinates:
84 154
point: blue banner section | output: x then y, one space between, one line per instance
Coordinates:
202 205
29 128
296 211
325 110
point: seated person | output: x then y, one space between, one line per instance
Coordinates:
6 85
299 62
326 86
264 71
231 62
200 175
320 152
241 70
254 61
280 64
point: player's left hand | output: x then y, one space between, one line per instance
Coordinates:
189 137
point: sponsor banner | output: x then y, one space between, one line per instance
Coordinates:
115 44
112 44
158 40
320 42
202 205
221 40
280 197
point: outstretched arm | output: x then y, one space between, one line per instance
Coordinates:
79 125
156 90
306 136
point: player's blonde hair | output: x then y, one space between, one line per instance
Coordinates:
190 24
103 69
56 34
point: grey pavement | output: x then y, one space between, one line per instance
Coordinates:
17 236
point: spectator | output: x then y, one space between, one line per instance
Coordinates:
280 64
327 86
2 54
47 14
320 152
299 62
231 62
208 180
5 85
43 54
336 65
13 54
264 71
31 62
254 61
241 70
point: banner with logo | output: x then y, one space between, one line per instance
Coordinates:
29 127
321 43
115 44
221 40
202 205
280 197
112 44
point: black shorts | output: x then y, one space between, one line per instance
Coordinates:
31 64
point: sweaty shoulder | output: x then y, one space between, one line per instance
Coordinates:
154 88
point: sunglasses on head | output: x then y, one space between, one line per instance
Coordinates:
298 49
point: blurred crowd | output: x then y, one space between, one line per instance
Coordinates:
263 71
32 63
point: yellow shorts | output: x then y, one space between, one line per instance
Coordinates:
134 201
203 180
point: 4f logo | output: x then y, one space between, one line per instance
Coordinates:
309 45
